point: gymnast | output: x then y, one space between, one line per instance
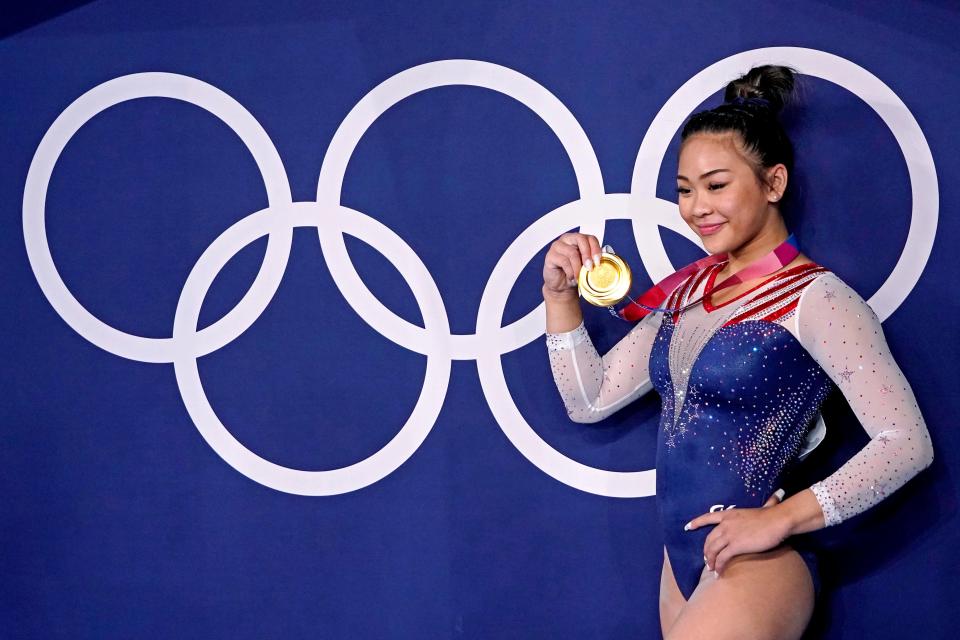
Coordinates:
742 351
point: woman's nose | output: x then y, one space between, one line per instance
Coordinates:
701 206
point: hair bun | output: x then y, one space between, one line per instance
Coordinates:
766 86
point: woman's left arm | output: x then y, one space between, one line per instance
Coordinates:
843 334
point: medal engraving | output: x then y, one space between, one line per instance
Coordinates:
607 283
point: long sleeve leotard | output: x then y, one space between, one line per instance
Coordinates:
741 384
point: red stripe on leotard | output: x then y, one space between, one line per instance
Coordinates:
790 287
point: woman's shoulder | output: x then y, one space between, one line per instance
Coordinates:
830 305
821 279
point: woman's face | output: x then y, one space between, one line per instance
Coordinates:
719 194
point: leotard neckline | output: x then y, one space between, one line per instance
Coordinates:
708 287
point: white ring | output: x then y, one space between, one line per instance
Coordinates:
853 78
424 415
101 97
388 93
617 484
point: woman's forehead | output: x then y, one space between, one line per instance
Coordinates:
704 149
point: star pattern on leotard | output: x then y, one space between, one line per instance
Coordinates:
879 488
846 374
829 295
689 414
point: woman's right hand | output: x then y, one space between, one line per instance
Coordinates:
564 258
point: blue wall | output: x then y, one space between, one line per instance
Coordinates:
130 513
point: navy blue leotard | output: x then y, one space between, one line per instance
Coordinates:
727 438
752 396
741 384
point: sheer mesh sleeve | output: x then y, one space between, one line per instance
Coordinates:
592 387
844 336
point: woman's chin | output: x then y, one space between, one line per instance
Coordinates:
713 244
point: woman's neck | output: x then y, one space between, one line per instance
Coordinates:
760 245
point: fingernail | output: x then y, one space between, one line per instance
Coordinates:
596 258
716 575
573 282
686 527
588 264
704 559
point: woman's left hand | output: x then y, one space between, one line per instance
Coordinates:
740 531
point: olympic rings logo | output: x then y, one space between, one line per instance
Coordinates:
434 339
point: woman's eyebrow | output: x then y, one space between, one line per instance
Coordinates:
708 173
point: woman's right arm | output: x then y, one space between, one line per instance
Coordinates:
592 387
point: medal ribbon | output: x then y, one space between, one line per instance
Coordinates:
651 300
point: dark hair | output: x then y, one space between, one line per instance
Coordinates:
750 108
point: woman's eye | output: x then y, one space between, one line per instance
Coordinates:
716 185
682 190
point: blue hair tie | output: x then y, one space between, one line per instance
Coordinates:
751 102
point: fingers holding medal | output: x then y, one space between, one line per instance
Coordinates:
567 257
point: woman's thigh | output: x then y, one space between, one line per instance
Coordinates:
760 595
671 598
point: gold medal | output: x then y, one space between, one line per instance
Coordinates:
607 283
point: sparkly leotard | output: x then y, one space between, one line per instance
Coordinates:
741 384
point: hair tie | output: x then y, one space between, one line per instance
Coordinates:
740 101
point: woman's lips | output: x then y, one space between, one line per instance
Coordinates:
709 230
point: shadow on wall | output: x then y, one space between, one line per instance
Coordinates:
21 16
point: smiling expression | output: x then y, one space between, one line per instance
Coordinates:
720 195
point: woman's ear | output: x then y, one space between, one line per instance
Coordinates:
776 182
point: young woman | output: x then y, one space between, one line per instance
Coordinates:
742 366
